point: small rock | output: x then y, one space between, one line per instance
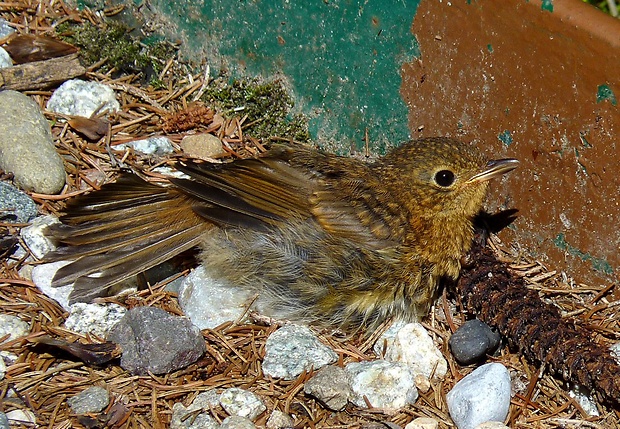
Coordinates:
209 303
26 145
187 418
15 205
293 349
4 421
42 276
35 238
483 395
239 402
237 422
5 59
95 319
23 417
14 326
280 420
92 400
585 400
5 28
385 384
330 386
615 351
473 341
76 97
492 425
156 145
2 369
423 423
202 146
413 346
153 340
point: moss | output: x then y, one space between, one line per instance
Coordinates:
113 42
267 105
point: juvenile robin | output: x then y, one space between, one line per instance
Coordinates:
321 238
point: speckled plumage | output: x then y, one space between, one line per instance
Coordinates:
322 238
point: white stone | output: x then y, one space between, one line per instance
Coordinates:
209 303
492 425
5 59
25 417
95 319
202 420
413 346
280 420
293 349
388 385
2 369
237 422
615 351
76 97
156 145
14 326
242 403
483 395
585 400
5 28
35 238
423 423
42 276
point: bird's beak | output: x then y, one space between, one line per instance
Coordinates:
494 169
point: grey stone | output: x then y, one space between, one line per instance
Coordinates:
4 421
26 145
35 238
76 97
189 417
483 395
293 349
389 385
492 425
92 400
2 369
5 28
423 423
237 422
15 205
153 340
21 417
239 402
330 386
473 341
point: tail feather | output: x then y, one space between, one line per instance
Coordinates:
124 229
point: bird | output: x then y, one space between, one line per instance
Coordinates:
321 238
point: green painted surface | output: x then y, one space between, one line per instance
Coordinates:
598 264
505 137
604 92
341 60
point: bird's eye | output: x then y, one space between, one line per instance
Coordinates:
444 178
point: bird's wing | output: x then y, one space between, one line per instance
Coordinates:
260 193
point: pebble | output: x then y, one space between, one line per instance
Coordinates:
42 276
21 417
156 145
15 205
615 351
330 386
483 395
388 385
202 146
2 369
92 400
422 423
492 425
473 341
4 421
154 341
5 28
187 418
209 303
26 145
585 400
413 346
293 349
34 236
76 97
14 326
237 422
242 403
5 59
279 420
95 319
